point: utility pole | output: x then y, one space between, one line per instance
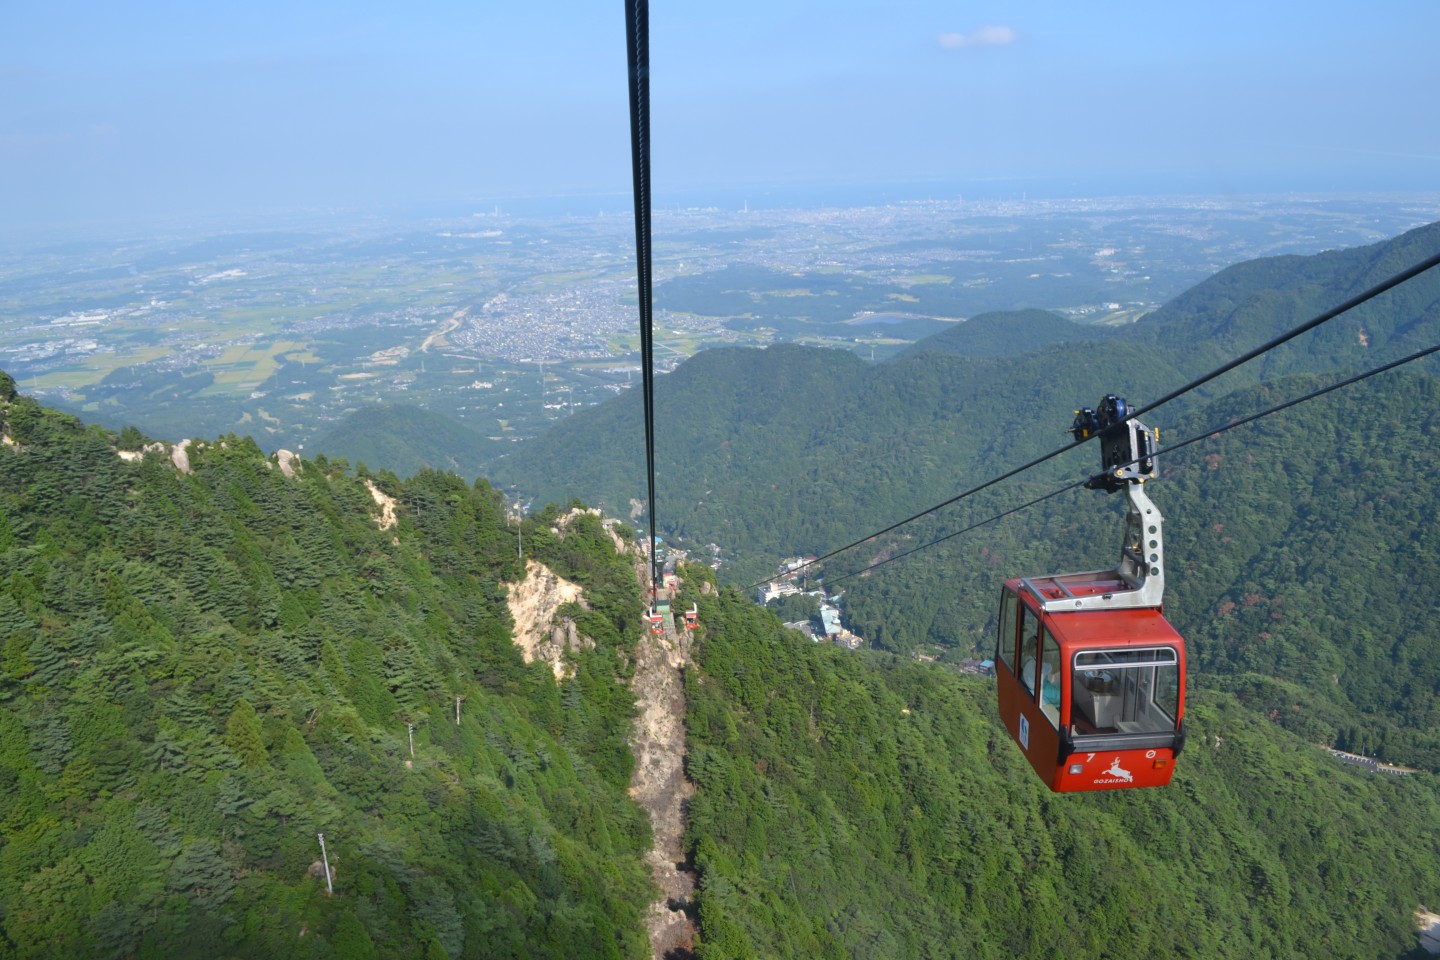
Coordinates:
325 857
410 731
458 698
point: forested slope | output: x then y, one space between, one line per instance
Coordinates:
1009 333
406 440
857 806
793 450
203 671
1245 305
1297 547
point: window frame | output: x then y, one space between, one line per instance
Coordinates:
1008 623
1029 631
1147 662
1050 658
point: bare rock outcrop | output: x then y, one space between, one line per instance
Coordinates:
386 504
659 784
177 453
541 632
180 456
289 462
132 455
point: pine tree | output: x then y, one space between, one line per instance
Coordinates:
244 736
201 872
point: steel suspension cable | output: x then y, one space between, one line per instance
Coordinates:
637 45
1311 324
1417 355
1308 325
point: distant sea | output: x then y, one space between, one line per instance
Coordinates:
778 196
841 195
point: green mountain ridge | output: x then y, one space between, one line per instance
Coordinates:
202 671
1007 333
1292 542
791 432
405 440
1248 303
794 449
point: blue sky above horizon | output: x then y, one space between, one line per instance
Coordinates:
113 112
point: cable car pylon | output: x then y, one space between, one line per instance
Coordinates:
1089 675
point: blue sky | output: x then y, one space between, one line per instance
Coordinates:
110 111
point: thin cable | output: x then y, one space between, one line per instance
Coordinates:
1311 324
925 546
1418 355
1269 345
637 45
900 523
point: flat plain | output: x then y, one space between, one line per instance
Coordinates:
506 323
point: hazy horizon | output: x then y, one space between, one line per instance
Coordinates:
132 116
757 198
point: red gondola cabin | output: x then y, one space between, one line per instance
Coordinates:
1095 699
1089 675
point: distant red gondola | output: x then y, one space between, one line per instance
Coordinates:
1090 677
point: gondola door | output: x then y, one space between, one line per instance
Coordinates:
1029 684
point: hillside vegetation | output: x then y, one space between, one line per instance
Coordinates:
863 806
1251 302
798 450
208 660
1009 333
1296 545
406 440
203 671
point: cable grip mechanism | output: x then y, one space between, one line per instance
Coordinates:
1127 446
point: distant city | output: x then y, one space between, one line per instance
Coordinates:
507 323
